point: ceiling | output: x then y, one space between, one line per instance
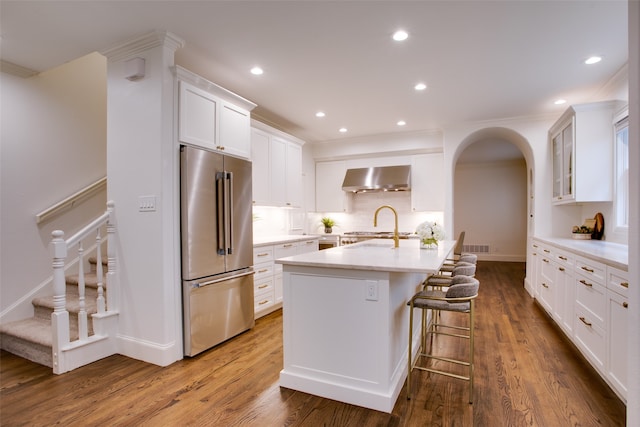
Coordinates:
481 60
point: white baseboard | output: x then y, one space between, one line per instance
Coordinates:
154 353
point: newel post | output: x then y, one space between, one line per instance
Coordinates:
60 316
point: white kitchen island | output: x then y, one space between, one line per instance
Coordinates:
346 319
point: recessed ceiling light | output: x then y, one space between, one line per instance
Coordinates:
401 123
593 60
342 130
320 114
400 35
420 86
560 101
256 71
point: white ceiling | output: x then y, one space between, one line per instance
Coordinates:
482 60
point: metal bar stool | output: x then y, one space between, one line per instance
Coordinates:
459 297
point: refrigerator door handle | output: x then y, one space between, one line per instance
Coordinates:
229 201
222 279
221 211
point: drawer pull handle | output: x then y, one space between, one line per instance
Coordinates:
263 254
625 304
535 246
287 245
624 284
564 258
546 250
263 286
561 268
263 302
586 283
263 270
545 285
587 269
545 260
584 321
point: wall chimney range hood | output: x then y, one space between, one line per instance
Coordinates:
383 178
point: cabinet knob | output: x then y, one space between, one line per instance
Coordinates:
625 304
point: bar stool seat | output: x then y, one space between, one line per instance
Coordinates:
460 298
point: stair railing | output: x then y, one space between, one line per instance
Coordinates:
60 247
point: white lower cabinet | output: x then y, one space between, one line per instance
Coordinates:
588 300
267 282
618 324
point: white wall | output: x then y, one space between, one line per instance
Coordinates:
53 143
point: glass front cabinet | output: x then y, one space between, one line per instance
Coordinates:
582 147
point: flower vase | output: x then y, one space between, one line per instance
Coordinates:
328 230
428 244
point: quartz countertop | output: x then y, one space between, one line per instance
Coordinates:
283 238
376 255
614 254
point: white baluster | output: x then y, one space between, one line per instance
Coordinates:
99 274
82 313
60 316
113 303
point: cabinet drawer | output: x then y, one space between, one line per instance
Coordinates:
590 338
564 260
263 270
284 250
591 297
591 269
307 246
262 286
263 301
262 254
618 281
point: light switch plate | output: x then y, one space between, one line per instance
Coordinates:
147 203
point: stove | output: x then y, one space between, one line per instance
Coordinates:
360 236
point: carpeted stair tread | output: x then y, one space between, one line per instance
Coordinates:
32 329
90 280
72 303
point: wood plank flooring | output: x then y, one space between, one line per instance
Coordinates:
527 374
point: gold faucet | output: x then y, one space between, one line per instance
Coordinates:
396 238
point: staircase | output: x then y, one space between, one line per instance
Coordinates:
32 338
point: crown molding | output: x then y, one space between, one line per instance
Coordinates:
143 43
16 70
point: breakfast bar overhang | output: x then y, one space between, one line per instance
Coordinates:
346 322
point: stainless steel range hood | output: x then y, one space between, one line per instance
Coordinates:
384 178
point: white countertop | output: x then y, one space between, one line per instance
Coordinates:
274 240
614 254
377 255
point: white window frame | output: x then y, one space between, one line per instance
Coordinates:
621 171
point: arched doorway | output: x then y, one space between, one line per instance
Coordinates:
492 194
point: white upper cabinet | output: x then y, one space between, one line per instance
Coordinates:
277 167
329 194
210 116
427 182
582 148
197 116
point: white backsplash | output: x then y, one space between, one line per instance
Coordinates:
363 208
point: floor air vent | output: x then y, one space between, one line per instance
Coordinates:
476 249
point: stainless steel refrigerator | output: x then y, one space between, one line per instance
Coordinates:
217 247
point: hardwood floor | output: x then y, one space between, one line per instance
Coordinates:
527 374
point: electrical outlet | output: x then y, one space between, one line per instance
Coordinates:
372 290
146 203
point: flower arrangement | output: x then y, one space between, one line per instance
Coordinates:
328 224
430 233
